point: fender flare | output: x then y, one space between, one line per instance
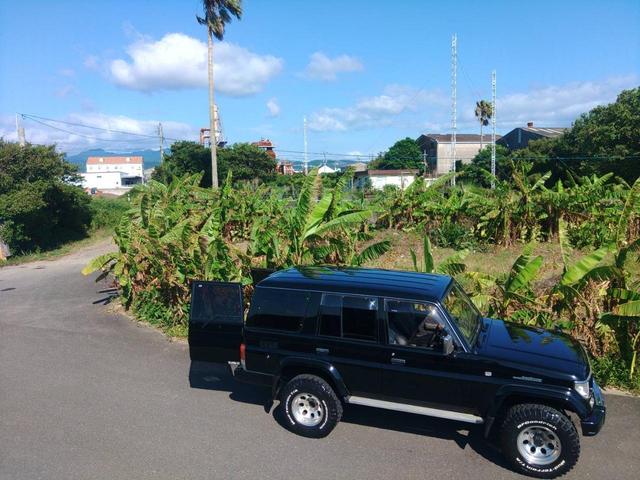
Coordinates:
325 369
567 398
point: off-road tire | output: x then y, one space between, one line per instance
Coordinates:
329 405
522 417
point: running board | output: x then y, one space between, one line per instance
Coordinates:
403 407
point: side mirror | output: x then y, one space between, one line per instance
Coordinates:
447 344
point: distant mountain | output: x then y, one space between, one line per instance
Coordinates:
151 158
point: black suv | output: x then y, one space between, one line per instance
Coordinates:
327 337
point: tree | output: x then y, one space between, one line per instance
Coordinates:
483 112
217 13
246 161
479 170
40 207
606 139
404 153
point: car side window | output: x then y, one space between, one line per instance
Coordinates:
349 317
414 324
278 310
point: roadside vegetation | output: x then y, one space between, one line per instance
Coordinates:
42 211
546 248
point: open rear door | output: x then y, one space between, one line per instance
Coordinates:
216 321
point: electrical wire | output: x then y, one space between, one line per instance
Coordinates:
297 153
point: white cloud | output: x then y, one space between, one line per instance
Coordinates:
178 61
553 105
429 110
560 105
376 111
321 67
67 72
274 107
91 62
64 91
73 139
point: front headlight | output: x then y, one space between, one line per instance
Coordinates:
582 388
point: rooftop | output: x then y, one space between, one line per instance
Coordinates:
546 131
364 281
381 173
114 160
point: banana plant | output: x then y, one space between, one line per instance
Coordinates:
452 265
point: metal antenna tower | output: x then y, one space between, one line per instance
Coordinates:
493 129
454 112
20 132
161 138
306 158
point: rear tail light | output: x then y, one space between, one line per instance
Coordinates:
243 353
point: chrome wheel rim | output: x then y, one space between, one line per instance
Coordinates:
539 445
307 409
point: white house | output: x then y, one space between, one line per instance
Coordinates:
326 169
113 173
381 178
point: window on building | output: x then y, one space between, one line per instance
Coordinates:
349 317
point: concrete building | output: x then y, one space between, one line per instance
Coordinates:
285 167
359 166
520 137
378 179
439 151
113 173
266 145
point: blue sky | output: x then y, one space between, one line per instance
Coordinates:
365 73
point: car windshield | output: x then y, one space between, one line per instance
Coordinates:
463 312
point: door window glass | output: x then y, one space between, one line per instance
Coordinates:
414 324
463 312
349 317
216 302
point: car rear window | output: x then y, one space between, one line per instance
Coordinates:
277 309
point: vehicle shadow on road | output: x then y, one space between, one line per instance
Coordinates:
211 376
462 434
217 377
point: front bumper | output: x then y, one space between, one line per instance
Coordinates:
592 424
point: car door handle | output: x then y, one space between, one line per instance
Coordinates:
322 351
398 361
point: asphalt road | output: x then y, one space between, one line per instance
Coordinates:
86 393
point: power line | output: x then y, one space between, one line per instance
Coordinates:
90 137
39 119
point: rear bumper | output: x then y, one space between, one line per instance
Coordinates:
592 424
247 376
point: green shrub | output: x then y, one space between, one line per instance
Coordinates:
106 212
614 372
453 235
40 207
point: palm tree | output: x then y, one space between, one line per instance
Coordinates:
483 112
217 13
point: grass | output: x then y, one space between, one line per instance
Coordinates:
65 249
493 260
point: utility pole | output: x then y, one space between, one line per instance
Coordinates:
306 158
454 104
20 132
161 135
493 129
424 161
